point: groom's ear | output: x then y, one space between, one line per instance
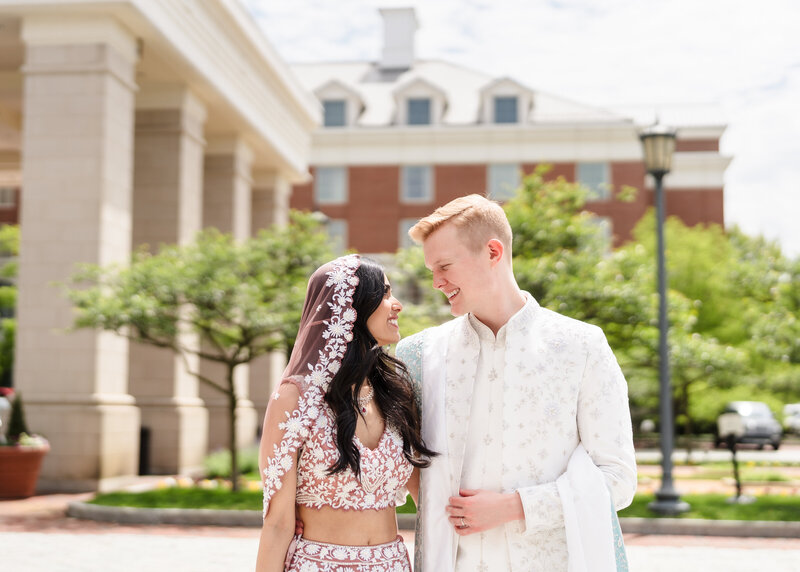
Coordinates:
495 251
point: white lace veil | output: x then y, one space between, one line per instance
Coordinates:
326 328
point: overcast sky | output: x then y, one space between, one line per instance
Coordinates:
741 55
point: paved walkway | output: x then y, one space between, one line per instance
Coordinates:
35 536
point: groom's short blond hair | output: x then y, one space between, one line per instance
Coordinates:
477 218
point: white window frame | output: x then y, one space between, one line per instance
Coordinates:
429 183
599 191
606 226
493 171
335 176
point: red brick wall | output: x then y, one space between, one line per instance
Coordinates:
453 181
374 210
566 170
624 216
695 206
685 145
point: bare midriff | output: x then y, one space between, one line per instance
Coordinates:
349 527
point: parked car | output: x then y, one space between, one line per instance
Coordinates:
791 418
756 421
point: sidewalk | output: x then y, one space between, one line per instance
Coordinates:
36 536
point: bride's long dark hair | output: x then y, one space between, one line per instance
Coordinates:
365 359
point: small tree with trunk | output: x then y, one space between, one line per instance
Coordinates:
222 300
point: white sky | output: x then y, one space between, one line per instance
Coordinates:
739 54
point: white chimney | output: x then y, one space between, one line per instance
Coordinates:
399 27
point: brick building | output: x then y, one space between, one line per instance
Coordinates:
402 136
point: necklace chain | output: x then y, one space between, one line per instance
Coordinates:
364 401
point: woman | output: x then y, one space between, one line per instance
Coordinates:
342 431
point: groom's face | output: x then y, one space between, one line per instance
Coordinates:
458 271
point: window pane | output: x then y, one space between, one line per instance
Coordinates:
404 226
334 112
605 227
594 176
505 109
330 185
8 197
503 181
419 111
417 184
337 230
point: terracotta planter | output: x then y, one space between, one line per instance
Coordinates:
19 470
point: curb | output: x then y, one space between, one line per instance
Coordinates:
701 527
191 517
252 518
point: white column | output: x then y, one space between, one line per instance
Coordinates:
167 209
227 203
271 194
77 155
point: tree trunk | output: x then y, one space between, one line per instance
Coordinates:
232 399
688 430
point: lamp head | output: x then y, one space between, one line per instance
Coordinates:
658 142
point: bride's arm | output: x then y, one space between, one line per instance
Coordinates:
279 519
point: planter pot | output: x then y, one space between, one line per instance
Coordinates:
19 470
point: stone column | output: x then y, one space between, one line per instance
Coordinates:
227 200
271 194
77 153
167 209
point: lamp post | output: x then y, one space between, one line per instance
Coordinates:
658 142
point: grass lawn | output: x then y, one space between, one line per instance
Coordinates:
711 506
180 497
715 507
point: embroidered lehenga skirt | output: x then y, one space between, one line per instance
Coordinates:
311 556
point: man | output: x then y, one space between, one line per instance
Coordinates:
527 408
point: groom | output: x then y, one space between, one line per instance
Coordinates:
527 408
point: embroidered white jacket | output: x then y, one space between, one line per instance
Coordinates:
562 387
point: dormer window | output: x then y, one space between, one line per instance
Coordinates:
505 109
419 102
341 104
505 101
419 111
335 112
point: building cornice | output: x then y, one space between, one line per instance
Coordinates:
482 143
217 49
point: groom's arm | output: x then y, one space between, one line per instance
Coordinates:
604 427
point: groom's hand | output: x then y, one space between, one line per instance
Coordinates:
479 510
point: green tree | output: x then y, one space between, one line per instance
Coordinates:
423 306
9 249
734 300
224 301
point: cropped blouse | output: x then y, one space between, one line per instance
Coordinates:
384 470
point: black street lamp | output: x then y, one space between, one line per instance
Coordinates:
658 142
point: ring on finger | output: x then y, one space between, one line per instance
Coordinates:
463 523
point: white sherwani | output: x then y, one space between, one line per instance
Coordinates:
560 387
